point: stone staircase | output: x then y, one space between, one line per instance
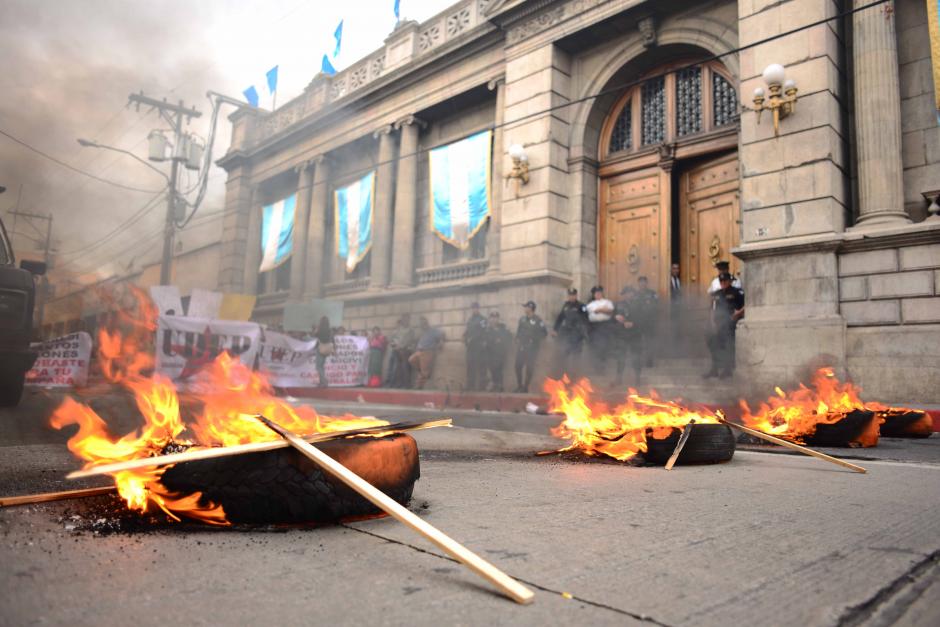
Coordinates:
675 378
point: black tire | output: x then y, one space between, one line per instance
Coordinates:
283 486
843 432
707 444
906 424
11 388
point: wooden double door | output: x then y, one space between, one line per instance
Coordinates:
641 210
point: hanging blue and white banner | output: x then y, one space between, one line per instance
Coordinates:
354 220
277 232
460 188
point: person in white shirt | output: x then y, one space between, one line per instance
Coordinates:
715 286
600 313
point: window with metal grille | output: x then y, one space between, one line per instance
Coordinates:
653 111
621 138
725 100
688 101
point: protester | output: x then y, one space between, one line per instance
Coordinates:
727 309
722 267
430 340
600 312
626 338
402 343
529 335
496 342
473 342
324 335
571 327
377 345
646 310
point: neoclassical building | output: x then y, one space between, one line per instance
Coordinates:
643 149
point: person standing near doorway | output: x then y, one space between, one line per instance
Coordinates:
496 342
646 312
727 310
402 343
529 335
473 344
571 328
600 313
430 340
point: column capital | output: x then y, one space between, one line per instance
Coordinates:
321 160
384 130
496 83
303 166
408 120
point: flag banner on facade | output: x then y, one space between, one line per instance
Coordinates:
277 232
933 23
354 220
460 188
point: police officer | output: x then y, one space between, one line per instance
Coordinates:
646 310
529 335
723 267
727 309
496 342
626 338
473 341
571 328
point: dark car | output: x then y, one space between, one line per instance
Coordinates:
17 298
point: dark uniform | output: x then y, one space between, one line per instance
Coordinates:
627 337
476 356
721 342
529 335
571 325
496 343
645 305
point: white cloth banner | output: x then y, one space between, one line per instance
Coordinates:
187 345
204 304
290 363
167 299
62 362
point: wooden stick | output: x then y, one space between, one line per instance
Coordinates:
683 438
45 497
796 447
509 586
241 449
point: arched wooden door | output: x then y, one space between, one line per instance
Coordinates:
668 168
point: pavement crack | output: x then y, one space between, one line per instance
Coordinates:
858 614
640 617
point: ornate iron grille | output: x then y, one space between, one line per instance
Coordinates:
725 100
688 101
653 111
622 136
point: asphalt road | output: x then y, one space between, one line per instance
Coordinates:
767 539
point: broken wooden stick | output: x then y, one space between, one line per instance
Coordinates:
45 497
790 445
509 586
683 438
241 449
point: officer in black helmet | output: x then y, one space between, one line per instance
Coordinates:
571 327
727 309
529 335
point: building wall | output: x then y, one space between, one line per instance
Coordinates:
920 131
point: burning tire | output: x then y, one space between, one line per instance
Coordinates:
848 431
905 424
283 486
707 444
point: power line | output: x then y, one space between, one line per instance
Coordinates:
70 167
133 219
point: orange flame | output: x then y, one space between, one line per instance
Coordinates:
225 399
595 429
794 415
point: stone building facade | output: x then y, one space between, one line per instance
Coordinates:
643 150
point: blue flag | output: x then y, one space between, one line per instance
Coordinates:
326 67
277 232
460 188
251 95
354 220
397 7
272 79
338 34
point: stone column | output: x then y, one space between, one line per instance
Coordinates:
496 187
877 117
403 257
380 268
316 229
301 223
252 246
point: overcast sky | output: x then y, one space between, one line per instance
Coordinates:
69 65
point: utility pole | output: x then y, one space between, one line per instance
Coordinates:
174 116
46 257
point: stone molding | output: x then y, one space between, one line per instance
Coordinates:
849 242
452 272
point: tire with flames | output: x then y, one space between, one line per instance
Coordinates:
283 486
707 444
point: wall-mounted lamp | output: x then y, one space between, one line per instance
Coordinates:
520 165
782 99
